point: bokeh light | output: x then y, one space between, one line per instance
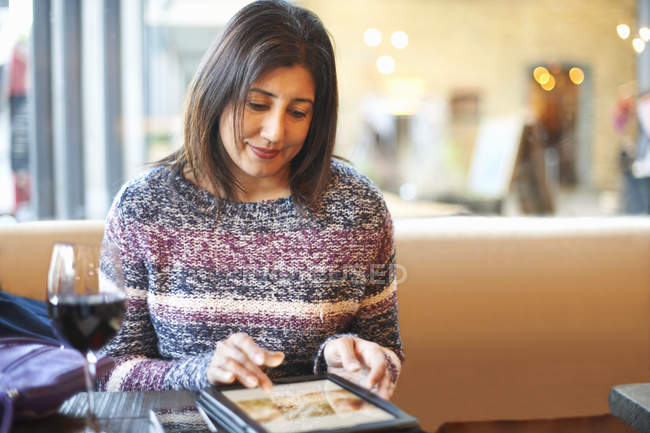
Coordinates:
399 39
372 37
623 31
385 64
549 84
576 75
540 72
544 77
644 32
638 45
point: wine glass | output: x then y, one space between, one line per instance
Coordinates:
86 302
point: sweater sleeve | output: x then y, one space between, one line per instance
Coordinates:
138 364
376 319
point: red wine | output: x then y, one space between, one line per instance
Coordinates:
87 322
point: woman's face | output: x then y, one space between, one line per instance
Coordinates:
275 123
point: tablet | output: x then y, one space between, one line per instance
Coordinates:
306 404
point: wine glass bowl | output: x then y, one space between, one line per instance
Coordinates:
86 301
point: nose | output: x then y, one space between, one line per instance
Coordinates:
273 128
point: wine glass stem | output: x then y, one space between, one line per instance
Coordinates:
91 373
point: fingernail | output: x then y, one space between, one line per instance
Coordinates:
259 359
275 360
252 381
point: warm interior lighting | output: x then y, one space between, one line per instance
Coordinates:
406 87
576 75
549 84
544 78
385 64
538 72
644 32
623 31
372 37
399 39
638 45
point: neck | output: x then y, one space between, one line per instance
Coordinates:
254 189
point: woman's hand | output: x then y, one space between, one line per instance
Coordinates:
239 358
361 362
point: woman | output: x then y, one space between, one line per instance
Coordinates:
250 254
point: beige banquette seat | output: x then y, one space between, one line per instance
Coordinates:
502 318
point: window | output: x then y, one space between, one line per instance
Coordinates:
500 107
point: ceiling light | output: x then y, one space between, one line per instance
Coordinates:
372 37
538 72
644 32
399 39
623 31
385 64
549 84
576 75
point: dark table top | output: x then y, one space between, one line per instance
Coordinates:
128 412
631 403
116 411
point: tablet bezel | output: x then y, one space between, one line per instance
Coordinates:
235 420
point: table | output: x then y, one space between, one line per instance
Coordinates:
631 403
128 412
117 411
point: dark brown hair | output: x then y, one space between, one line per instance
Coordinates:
262 36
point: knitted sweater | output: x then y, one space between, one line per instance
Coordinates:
199 269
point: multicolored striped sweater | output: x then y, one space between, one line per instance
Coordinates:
199 269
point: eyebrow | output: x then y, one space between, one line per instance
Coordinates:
273 95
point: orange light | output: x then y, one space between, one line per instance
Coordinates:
538 72
549 84
544 78
576 75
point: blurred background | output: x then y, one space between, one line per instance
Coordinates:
500 107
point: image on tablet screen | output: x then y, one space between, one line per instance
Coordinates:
299 407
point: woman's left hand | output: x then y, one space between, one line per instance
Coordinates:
361 362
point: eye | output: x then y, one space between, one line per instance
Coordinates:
298 114
256 107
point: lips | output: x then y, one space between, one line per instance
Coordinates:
264 153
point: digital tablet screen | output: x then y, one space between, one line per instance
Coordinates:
304 406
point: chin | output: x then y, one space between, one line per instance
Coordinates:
260 172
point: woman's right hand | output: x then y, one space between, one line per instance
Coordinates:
239 358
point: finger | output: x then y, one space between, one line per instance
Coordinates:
246 377
257 354
244 372
374 358
230 349
254 375
249 347
347 354
385 388
217 375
